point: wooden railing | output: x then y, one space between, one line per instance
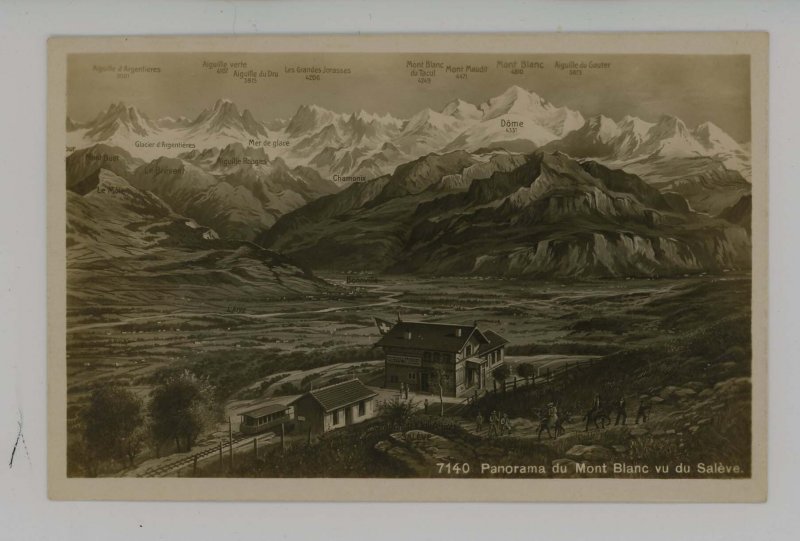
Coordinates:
546 377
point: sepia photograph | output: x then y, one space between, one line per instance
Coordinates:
361 261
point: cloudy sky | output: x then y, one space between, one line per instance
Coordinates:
693 88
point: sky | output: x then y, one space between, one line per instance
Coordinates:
694 88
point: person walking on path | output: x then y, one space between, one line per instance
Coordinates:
402 388
505 424
479 423
426 405
642 411
552 414
406 391
493 421
622 412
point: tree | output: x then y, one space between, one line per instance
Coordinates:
501 373
397 412
112 426
133 446
527 371
180 409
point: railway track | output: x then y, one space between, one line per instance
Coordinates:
164 469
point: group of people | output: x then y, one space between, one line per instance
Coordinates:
599 412
498 424
621 410
404 390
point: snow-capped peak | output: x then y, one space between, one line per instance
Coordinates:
119 118
169 122
361 114
514 100
635 125
225 107
524 105
603 128
462 110
309 119
224 118
670 137
120 110
714 139
670 125
430 119
223 102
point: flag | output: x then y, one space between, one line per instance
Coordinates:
383 325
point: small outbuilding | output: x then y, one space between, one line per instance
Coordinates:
335 406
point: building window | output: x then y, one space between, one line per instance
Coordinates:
336 417
437 357
469 350
426 356
393 378
412 375
362 408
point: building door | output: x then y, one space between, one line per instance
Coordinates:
348 415
423 381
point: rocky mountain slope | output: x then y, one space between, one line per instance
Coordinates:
740 213
126 243
235 190
706 183
704 165
545 215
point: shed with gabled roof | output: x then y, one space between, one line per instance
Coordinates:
335 406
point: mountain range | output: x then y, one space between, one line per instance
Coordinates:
236 191
541 215
705 165
514 186
361 144
127 246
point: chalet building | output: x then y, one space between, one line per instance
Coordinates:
265 417
417 352
335 406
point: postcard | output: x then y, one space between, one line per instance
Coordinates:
408 267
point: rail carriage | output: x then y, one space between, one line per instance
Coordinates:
265 417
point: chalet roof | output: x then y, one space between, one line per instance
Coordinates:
494 342
434 336
342 394
264 410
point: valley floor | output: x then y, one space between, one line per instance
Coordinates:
651 330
